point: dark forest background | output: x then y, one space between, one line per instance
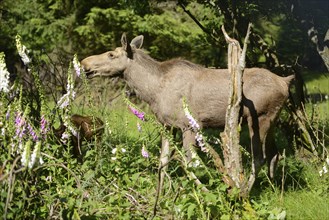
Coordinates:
283 32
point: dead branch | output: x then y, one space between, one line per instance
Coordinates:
231 135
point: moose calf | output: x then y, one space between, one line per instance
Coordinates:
88 127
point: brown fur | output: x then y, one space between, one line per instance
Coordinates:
88 128
163 85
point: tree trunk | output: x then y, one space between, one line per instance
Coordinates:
231 135
322 50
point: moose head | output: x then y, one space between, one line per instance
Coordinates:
112 63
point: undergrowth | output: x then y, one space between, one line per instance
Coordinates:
117 179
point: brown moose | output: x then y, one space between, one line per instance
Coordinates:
88 127
163 85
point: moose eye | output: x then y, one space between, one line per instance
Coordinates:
111 55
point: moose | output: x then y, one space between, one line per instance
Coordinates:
88 127
164 86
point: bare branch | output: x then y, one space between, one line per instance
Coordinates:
242 60
231 135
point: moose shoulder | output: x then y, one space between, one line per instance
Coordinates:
163 85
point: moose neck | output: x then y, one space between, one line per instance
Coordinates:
144 76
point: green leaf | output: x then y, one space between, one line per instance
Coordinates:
210 198
75 215
225 217
191 210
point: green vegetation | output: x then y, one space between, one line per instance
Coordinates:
40 178
116 181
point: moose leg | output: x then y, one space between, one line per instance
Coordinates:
257 156
262 146
271 151
258 131
188 144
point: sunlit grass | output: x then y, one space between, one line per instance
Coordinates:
307 198
317 86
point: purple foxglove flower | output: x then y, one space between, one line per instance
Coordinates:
43 125
32 132
194 124
145 154
18 120
140 115
20 125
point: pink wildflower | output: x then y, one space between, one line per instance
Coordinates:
145 154
32 132
140 115
20 125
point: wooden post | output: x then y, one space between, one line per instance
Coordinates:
231 135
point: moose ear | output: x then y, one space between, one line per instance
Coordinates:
137 42
124 41
126 46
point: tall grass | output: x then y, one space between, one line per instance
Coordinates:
117 181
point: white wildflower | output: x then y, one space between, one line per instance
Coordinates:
33 158
49 178
321 172
4 74
113 158
123 150
65 137
195 163
325 170
72 130
65 100
35 154
327 160
24 158
139 127
107 126
22 51
41 160
20 146
26 154
114 150
200 141
76 65
195 160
